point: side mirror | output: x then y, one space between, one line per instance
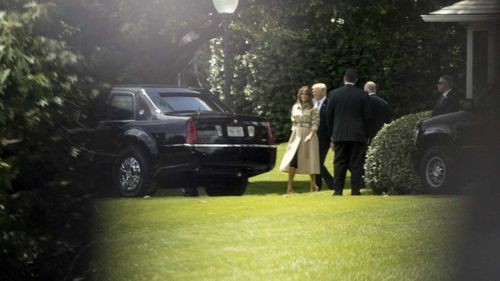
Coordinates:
467 104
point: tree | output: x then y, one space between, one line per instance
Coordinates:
38 211
292 43
126 41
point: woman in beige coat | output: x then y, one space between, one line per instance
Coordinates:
302 154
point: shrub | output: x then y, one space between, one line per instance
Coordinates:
44 207
388 165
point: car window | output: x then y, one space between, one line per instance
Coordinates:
173 103
121 107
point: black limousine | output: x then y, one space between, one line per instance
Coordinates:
458 149
178 137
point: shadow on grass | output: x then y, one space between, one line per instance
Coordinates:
258 188
254 188
275 187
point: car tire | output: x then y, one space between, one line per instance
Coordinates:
238 186
227 187
131 173
214 189
437 170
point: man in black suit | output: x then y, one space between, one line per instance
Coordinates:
348 116
449 100
320 102
380 109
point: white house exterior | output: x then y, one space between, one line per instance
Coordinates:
482 18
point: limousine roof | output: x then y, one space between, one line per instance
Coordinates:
159 88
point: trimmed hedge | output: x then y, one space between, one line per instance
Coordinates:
388 164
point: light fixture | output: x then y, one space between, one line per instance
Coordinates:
225 6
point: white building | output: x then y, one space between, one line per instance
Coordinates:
482 18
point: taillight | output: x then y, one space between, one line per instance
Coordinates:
270 138
191 132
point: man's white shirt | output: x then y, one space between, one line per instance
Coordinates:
318 104
445 94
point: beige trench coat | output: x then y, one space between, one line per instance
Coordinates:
303 121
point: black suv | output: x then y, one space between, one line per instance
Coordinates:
178 137
456 149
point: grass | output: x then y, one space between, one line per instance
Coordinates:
265 235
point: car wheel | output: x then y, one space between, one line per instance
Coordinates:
238 186
214 189
131 173
227 187
437 170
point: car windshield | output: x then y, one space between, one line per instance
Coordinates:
168 103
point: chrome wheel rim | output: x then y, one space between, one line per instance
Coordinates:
435 172
129 174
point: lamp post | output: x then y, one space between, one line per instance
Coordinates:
226 8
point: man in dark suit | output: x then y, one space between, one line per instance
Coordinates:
321 102
380 109
449 100
348 116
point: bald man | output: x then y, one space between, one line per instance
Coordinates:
380 109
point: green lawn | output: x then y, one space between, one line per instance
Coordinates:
266 235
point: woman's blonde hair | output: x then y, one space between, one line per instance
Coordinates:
307 90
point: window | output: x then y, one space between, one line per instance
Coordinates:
122 107
173 103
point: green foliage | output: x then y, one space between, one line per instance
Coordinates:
33 81
279 46
388 164
40 205
129 41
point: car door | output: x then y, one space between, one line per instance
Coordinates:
120 112
480 138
